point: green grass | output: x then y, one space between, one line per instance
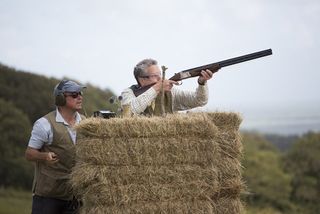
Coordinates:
253 210
15 201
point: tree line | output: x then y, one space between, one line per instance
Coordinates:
24 98
283 182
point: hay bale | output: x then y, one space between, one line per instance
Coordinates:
183 163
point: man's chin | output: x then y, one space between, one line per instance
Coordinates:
79 108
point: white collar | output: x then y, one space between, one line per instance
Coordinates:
60 119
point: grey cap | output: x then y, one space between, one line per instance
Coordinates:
67 86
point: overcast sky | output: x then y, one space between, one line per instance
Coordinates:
100 42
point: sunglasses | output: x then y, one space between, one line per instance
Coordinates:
74 95
151 76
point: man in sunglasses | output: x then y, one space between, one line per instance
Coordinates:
52 148
148 76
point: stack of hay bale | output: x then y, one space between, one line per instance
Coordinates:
181 163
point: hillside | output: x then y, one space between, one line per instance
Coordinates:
33 94
25 97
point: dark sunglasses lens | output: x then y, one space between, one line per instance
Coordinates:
75 94
151 76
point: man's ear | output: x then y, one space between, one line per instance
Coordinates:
139 80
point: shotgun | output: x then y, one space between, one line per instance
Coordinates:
214 67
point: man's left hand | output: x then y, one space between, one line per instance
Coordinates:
205 75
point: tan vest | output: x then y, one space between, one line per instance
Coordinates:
155 110
53 180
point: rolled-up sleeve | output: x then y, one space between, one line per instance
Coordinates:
41 134
184 100
140 103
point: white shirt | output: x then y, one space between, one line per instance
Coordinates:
42 132
181 100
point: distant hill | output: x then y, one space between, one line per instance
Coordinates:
25 97
283 143
33 94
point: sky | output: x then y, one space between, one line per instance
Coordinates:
100 41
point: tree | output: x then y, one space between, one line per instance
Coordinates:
268 185
304 163
15 129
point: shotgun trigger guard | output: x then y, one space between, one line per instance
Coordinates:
180 82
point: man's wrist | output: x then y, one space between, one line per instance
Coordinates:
202 82
44 156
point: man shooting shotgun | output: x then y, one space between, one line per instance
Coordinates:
144 98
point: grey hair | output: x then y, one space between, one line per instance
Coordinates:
141 68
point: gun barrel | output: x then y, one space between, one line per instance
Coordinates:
244 58
231 61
